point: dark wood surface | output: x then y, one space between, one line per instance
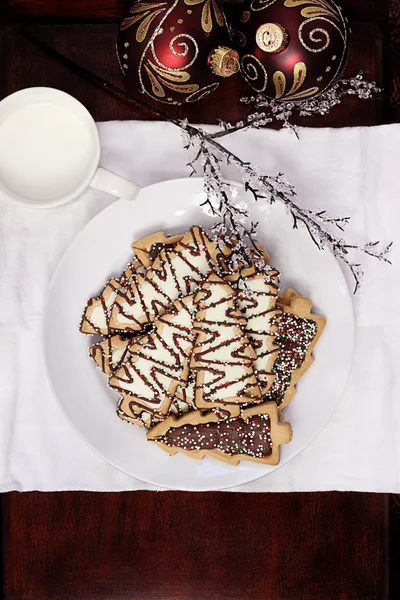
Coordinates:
116 10
182 546
67 10
178 546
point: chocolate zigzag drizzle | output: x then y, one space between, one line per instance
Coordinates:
158 363
109 353
174 273
96 316
257 300
222 354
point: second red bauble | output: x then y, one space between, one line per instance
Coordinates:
290 50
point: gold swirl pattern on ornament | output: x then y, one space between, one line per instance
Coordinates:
279 80
253 70
304 93
322 10
175 76
202 92
177 79
141 9
257 5
143 28
299 77
156 87
182 89
141 6
162 77
131 20
325 40
151 41
323 4
184 51
146 11
210 7
315 11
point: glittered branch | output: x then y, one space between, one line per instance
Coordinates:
211 154
283 112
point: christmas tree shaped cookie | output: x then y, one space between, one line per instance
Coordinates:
183 401
110 353
159 362
148 249
222 354
96 315
298 332
257 298
256 435
95 319
175 273
133 413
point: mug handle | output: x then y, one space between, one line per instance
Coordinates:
114 184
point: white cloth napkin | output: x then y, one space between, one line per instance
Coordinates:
351 172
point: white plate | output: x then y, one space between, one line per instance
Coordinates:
102 250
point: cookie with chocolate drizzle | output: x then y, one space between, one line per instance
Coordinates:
147 249
222 355
110 353
96 316
257 298
159 362
176 272
133 413
95 319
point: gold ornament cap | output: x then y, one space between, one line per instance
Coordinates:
224 61
271 38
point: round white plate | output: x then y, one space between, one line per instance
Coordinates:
102 250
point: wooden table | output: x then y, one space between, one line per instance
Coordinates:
173 545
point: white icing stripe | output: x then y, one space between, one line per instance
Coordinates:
97 316
98 310
109 353
259 308
222 354
158 362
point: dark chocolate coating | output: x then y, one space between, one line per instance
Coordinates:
233 436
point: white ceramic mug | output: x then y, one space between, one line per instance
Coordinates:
50 150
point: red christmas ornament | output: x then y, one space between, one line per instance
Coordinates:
289 49
176 51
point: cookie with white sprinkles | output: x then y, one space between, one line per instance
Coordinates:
256 435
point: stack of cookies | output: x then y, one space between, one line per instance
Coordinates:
204 353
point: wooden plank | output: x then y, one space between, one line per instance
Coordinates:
182 546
